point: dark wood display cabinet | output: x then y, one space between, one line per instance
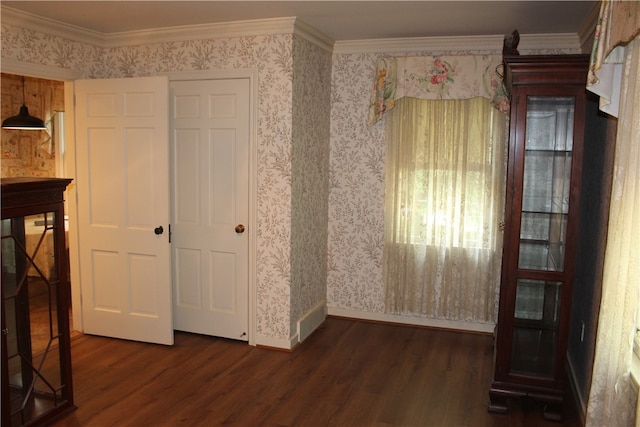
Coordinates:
36 359
546 132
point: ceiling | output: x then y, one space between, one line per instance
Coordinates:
338 20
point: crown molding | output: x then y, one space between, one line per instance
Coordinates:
290 25
561 41
52 27
259 27
313 36
456 44
420 44
12 66
587 30
285 25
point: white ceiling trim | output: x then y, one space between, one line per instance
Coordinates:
259 27
286 25
419 44
567 42
49 72
18 18
587 30
313 36
289 25
457 44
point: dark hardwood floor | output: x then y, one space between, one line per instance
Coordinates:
348 373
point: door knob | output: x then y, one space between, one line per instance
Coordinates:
239 228
158 230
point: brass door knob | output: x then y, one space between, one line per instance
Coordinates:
239 228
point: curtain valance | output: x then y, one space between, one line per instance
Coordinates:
618 24
436 77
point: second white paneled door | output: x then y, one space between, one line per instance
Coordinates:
209 139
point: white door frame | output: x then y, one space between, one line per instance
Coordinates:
252 75
68 76
48 72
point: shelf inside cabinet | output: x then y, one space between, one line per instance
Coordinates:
541 255
540 325
532 352
547 151
539 212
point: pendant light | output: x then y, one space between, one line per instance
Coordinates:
23 121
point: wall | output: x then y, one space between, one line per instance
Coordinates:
310 179
272 55
33 152
356 190
597 176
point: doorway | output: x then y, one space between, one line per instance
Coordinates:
68 76
36 153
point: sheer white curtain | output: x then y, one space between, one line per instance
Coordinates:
614 74
612 400
444 204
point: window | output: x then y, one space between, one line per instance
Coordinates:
445 177
450 175
430 218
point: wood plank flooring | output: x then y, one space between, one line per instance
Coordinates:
348 373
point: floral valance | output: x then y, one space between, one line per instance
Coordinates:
436 77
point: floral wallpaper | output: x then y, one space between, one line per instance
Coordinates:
30 153
310 171
273 56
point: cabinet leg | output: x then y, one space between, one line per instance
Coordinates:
553 411
498 404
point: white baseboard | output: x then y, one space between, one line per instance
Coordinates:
310 322
316 316
413 320
282 343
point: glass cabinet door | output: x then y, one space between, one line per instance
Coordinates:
535 327
30 290
543 228
547 175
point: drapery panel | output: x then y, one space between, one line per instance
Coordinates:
436 77
614 75
612 399
444 204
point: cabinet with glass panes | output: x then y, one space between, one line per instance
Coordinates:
543 187
36 354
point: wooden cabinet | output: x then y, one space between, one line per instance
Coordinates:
548 101
36 359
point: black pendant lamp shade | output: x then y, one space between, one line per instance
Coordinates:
23 120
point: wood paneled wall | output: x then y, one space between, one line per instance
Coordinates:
30 153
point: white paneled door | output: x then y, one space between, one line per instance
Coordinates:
122 178
210 193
